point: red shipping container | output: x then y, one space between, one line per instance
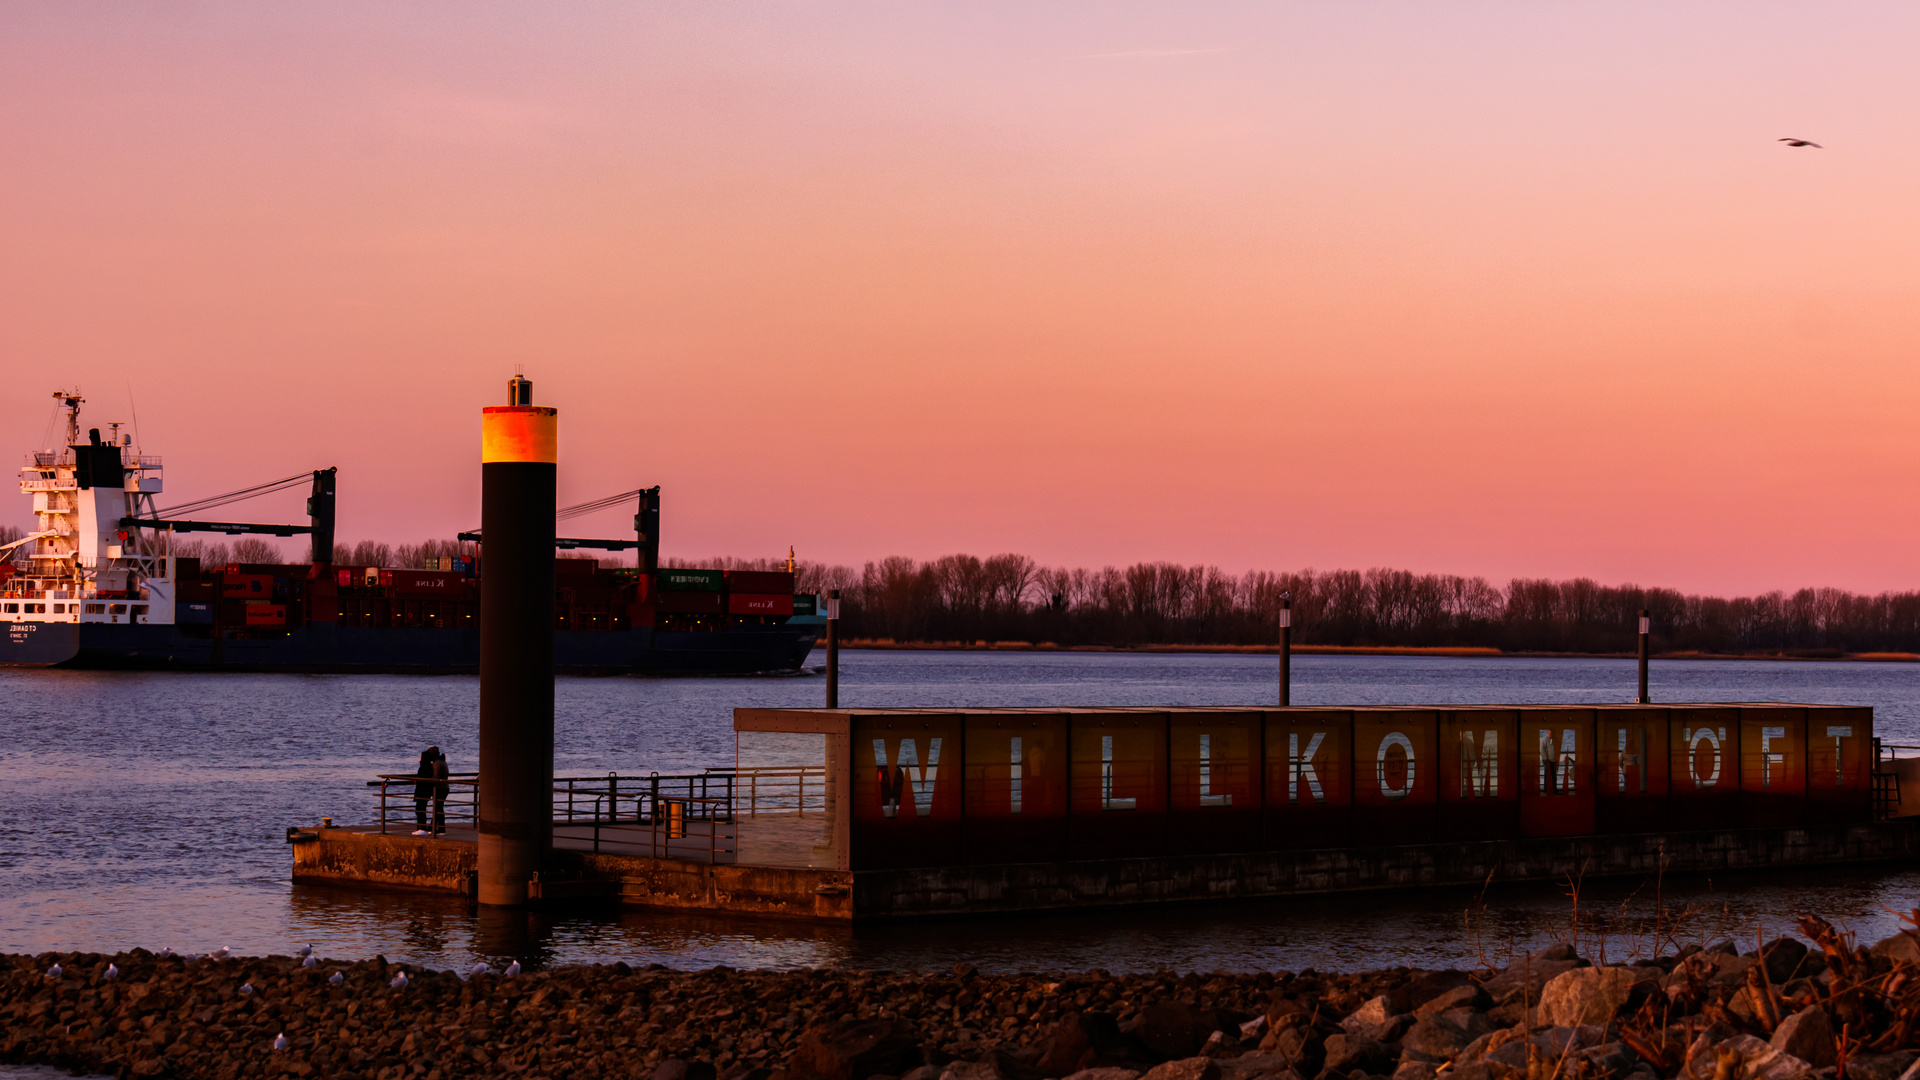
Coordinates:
1118 785
1703 789
1556 772
640 615
1016 788
266 614
906 810
1395 776
1309 783
760 581
1633 764
1479 774
1214 797
1773 766
749 604
691 603
1839 765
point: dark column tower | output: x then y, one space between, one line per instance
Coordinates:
518 453
320 509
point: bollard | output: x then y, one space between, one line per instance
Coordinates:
518 455
833 648
1645 632
1286 649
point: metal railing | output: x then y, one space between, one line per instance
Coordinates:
694 816
399 805
1886 779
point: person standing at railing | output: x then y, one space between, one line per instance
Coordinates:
440 787
423 789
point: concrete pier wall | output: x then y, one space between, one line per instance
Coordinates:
1037 886
360 859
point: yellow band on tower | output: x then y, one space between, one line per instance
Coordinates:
519 433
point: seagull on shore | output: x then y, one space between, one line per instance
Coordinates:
112 972
513 968
1802 142
53 972
480 968
280 1041
222 952
337 979
399 981
245 989
166 953
304 950
309 961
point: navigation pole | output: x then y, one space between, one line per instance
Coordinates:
518 456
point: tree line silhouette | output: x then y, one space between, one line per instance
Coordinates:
1009 598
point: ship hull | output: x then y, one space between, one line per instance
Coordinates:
327 647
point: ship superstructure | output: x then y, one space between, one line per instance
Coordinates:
81 563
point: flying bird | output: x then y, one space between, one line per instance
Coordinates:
337 979
399 981
1802 142
112 972
480 968
513 968
280 1041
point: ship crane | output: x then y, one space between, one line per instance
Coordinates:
646 526
319 510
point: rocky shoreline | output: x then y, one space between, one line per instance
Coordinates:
1782 1011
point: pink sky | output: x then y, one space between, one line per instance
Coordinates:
1501 289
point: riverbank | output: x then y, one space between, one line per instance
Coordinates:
1785 1013
1467 651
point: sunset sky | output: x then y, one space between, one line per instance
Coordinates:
1502 289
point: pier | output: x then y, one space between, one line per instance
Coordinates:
846 814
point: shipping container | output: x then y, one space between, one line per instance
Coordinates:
1309 778
246 586
1839 765
193 614
1118 784
1773 766
428 583
1633 763
1016 787
806 604
1479 796
759 581
904 813
691 580
1395 776
747 604
1214 791
261 614
1703 789
1556 772
690 603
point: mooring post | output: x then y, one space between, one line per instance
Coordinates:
833 648
1286 649
1646 626
518 458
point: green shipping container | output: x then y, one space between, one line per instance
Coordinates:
806 604
692 581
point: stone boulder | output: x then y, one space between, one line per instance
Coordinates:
1167 1031
855 1050
1807 1035
1585 996
1346 1053
1782 957
1193 1068
1903 946
1078 1041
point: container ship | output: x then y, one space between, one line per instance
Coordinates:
97 584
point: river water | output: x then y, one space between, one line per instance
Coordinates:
150 810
